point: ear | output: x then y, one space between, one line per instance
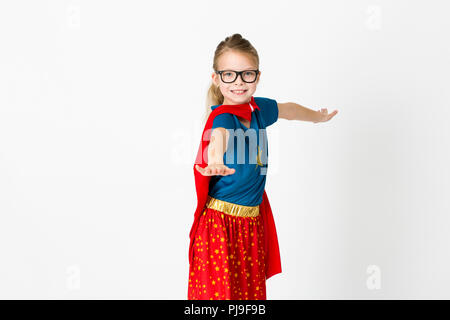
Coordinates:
215 79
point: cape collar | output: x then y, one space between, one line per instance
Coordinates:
245 109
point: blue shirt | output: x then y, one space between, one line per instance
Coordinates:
246 153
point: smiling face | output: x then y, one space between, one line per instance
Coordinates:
236 61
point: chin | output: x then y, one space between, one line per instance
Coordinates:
241 98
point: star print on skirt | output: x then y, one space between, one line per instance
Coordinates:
228 262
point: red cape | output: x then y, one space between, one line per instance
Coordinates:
272 251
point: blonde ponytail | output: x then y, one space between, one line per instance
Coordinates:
214 97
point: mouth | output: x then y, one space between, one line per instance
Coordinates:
239 92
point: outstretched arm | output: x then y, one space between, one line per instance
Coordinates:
216 149
294 111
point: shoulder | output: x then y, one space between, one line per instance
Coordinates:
265 101
268 109
224 116
224 120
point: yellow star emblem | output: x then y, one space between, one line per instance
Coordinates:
258 158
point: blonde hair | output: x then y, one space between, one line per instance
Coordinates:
236 43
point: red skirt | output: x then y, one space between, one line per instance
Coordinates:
228 258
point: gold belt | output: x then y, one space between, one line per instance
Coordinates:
232 208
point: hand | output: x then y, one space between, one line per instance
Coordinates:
324 116
215 169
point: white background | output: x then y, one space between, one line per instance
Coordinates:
101 105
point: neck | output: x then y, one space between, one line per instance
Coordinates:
226 102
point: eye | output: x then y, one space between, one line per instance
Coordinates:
227 74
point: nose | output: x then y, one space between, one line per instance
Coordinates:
239 80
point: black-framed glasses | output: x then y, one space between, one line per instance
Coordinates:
229 76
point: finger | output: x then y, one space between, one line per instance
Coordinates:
203 171
199 169
332 114
229 171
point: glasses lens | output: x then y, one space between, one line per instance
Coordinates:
228 76
249 76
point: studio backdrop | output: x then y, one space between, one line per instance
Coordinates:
101 112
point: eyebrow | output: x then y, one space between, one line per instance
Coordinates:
249 68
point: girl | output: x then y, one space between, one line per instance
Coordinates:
234 247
